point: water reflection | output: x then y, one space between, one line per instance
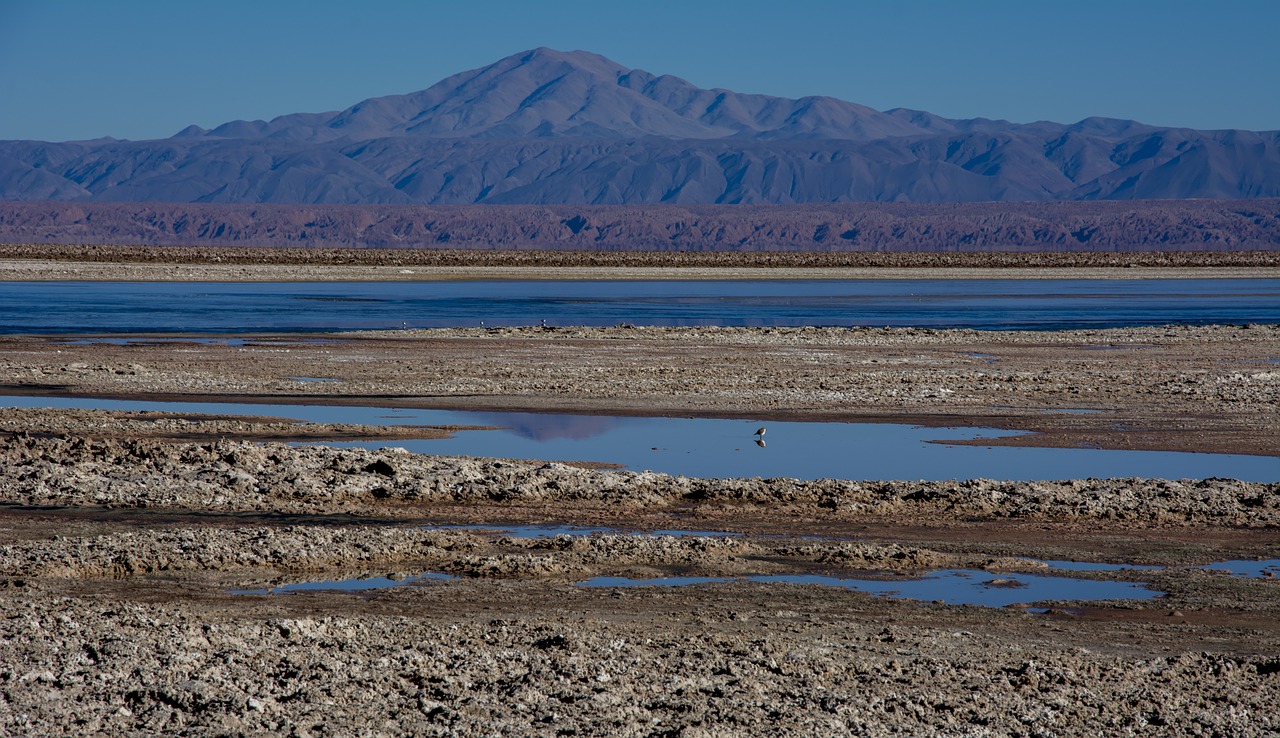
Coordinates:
710 447
346 585
553 530
952 586
1263 568
1096 566
549 426
213 307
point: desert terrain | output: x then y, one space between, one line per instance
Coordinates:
146 559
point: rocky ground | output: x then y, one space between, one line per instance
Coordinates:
122 561
141 553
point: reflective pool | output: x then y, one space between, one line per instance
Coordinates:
346 585
952 586
998 304
710 447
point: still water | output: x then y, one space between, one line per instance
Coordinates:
952 586
710 447
217 307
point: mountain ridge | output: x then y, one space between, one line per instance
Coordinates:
530 95
1073 227
552 127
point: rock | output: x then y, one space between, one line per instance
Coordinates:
381 466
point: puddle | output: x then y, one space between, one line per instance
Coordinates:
655 582
528 531
551 531
951 586
988 358
345 585
1252 568
1261 568
113 341
199 340
1118 347
1093 566
718 448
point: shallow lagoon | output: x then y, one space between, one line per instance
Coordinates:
221 307
710 447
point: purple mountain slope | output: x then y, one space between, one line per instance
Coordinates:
545 93
551 127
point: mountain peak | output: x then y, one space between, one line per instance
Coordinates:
545 126
546 53
544 92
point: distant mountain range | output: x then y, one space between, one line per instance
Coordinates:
551 127
1108 226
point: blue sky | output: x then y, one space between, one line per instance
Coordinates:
132 69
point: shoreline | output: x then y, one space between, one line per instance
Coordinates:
25 262
47 271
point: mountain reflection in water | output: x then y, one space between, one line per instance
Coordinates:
547 427
711 447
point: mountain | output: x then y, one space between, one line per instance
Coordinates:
1086 226
551 127
552 94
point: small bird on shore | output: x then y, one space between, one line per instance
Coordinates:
760 432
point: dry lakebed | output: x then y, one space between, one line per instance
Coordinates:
201 574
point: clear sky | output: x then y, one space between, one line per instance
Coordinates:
76 69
